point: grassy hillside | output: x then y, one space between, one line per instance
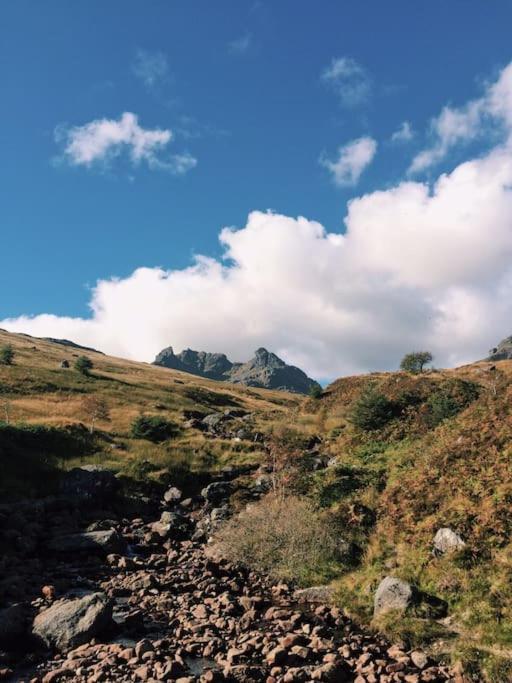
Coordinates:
49 419
442 459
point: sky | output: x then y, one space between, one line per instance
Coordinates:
328 180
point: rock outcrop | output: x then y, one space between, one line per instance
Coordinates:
265 370
501 352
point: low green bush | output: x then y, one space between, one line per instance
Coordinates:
450 399
316 391
153 428
6 354
372 410
84 365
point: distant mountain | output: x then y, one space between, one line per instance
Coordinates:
265 370
503 351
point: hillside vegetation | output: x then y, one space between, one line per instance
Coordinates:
46 418
387 459
439 456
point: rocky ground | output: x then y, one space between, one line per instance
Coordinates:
90 593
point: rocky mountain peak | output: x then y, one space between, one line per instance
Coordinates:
265 369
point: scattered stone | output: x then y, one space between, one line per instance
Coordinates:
447 541
320 594
217 491
172 495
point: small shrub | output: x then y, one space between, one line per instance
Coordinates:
285 537
6 354
449 400
315 391
153 428
372 410
84 365
415 361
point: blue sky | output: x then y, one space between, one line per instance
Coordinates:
258 98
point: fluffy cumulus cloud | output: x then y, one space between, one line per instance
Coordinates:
100 141
351 161
349 79
417 265
469 122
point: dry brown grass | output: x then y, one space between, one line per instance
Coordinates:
129 387
284 536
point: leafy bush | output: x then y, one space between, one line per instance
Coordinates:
84 365
315 391
285 537
415 361
153 428
450 399
6 354
372 410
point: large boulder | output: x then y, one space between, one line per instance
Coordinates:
448 541
72 622
90 482
393 594
13 624
103 542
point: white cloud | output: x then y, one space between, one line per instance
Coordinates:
101 140
419 266
404 133
241 45
352 159
150 67
349 79
469 122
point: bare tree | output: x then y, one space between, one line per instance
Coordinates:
95 408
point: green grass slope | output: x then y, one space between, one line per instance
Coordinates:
45 421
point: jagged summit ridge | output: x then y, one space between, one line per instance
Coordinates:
264 370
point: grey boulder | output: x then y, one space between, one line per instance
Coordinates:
104 542
393 594
72 622
448 541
